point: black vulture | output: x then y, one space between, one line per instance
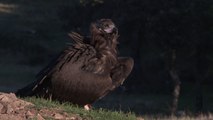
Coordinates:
86 70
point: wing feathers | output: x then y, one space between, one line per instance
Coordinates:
76 37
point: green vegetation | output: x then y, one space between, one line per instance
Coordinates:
153 106
96 114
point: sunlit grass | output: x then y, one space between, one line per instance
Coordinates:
95 114
104 114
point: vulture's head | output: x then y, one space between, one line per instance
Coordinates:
103 26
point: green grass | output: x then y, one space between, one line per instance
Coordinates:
104 114
96 114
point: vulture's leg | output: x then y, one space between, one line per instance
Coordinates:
121 71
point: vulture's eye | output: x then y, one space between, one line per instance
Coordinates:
106 25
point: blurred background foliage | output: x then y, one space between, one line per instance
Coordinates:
161 35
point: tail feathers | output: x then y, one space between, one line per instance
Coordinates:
27 91
79 39
40 88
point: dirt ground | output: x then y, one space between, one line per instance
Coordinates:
13 108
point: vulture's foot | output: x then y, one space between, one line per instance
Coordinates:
87 107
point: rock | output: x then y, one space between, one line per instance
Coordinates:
10 117
21 104
5 99
30 115
9 109
2 109
13 108
39 117
72 118
13 96
58 116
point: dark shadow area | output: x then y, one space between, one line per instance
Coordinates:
162 37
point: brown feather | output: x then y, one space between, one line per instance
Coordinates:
84 71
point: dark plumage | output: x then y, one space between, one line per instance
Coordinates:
86 70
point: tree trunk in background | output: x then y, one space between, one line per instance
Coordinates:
200 76
176 82
176 91
199 97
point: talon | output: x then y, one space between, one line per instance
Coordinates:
87 107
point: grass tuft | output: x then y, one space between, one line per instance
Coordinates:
95 114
